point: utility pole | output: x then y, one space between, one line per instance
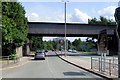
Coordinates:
117 18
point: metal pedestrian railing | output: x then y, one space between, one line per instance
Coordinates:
6 60
105 66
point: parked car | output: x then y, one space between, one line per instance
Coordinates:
39 54
70 50
74 51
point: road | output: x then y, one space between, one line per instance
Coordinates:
51 67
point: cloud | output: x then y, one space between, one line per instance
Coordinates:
79 16
35 14
110 17
110 10
35 17
69 38
48 38
73 38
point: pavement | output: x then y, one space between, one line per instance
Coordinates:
12 64
83 62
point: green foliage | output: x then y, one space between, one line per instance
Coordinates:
36 43
102 20
13 56
76 43
54 44
0 14
69 45
82 45
14 26
7 28
48 45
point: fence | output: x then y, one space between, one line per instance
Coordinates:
105 66
6 60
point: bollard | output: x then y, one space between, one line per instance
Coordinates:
99 64
8 59
110 67
14 59
113 61
104 61
91 63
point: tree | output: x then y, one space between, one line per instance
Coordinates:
76 43
36 43
48 45
83 45
102 20
14 26
0 14
54 43
92 42
69 44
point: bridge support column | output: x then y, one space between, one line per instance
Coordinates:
27 47
28 50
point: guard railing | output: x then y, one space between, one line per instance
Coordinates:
6 60
105 66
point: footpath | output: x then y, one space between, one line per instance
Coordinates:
12 64
83 62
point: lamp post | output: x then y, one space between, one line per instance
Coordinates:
117 18
65 28
65 1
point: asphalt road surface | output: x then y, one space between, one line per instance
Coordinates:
51 67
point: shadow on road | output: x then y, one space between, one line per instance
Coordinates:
74 74
51 56
36 59
30 55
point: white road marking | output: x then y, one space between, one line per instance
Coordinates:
50 68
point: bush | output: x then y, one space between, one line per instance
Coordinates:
13 56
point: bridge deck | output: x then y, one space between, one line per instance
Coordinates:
73 29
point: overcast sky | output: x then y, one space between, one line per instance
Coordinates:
77 11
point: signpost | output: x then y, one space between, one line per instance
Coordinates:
102 47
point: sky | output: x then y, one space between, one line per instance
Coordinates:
77 11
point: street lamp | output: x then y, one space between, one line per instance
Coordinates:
65 28
117 18
65 1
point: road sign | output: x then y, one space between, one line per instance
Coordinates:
102 41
